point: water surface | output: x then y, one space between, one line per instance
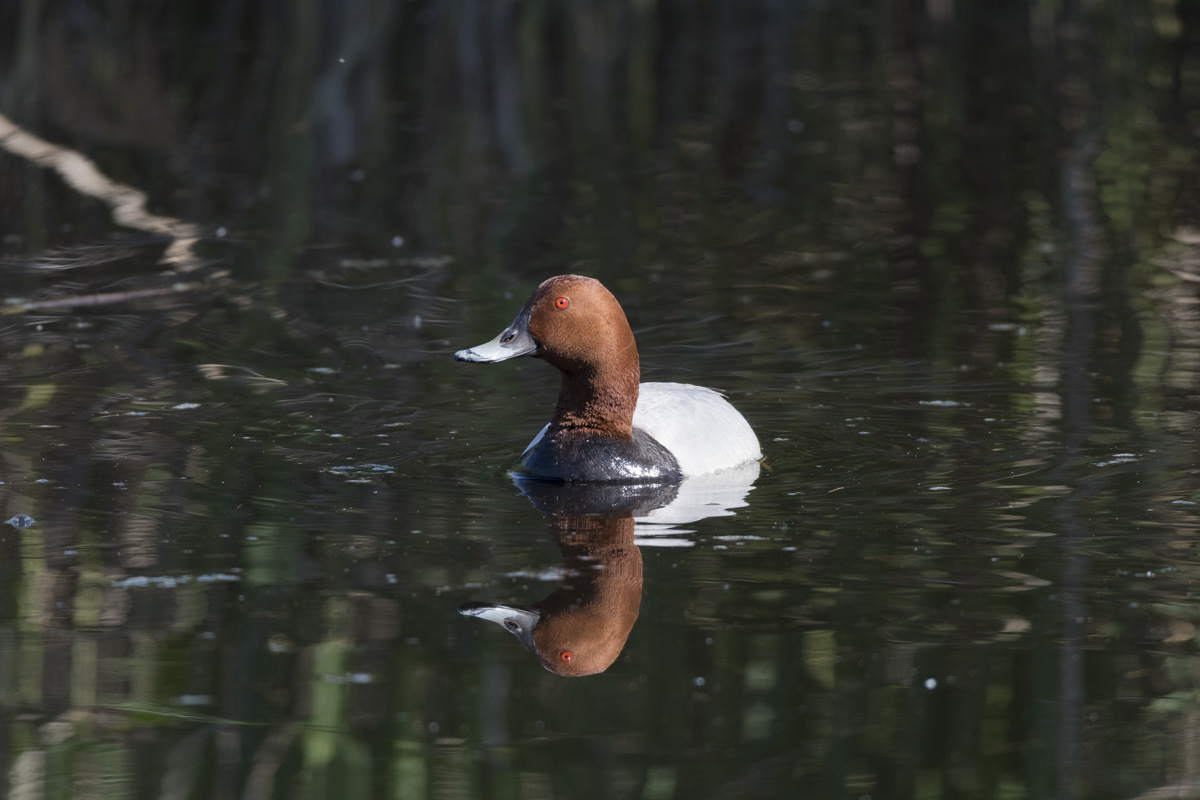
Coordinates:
944 259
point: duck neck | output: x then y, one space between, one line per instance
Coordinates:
597 402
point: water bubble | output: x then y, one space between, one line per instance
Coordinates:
21 521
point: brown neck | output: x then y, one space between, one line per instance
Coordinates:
597 402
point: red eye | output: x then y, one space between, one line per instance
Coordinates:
566 655
562 302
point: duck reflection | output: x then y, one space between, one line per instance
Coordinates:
581 627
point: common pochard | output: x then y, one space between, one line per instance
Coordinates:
607 426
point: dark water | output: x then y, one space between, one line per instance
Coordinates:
943 256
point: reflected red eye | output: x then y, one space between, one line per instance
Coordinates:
562 302
566 655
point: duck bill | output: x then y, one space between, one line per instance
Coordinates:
513 342
517 620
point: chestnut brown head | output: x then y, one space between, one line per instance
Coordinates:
578 325
570 321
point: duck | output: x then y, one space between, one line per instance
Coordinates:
607 425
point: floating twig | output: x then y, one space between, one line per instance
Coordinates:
127 203
101 299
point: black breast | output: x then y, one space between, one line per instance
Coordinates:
599 458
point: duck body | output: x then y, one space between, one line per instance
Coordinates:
679 430
639 459
607 426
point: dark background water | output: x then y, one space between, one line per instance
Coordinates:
943 255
